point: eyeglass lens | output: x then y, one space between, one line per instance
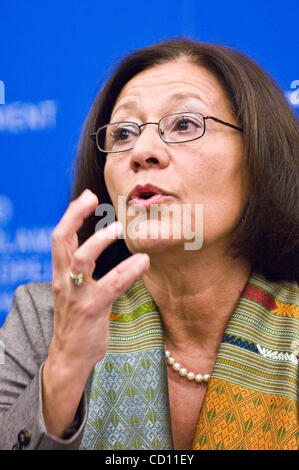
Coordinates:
178 127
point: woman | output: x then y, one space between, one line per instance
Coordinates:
180 125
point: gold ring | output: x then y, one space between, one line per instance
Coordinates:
77 279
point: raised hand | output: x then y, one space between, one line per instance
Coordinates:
81 312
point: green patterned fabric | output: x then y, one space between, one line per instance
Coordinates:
257 363
260 343
128 403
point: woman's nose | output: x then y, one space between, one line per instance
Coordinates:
149 151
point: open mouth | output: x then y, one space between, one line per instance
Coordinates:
146 194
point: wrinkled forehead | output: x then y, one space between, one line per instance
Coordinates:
171 85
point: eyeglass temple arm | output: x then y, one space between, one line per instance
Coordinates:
93 135
223 122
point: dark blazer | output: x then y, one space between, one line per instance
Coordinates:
25 337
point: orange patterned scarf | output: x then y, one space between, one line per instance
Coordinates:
251 400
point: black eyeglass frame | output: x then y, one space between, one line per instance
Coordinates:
94 135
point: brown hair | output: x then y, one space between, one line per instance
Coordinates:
267 234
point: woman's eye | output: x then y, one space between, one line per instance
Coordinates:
120 134
185 124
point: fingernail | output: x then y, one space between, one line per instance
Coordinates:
87 195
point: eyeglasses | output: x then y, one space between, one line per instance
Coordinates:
173 129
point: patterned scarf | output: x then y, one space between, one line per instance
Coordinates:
251 399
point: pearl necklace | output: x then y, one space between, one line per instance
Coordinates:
176 366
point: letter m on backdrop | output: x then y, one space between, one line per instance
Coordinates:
2 92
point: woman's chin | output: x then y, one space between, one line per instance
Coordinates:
152 245
157 237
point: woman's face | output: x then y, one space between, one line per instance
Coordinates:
206 174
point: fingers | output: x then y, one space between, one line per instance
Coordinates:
64 238
68 257
120 278
86 255
77 211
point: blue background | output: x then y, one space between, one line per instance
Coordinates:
54 57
